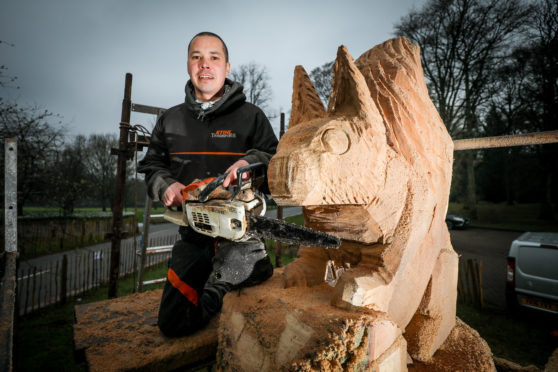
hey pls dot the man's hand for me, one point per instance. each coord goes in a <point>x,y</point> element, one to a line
<point>231,178</point>
<point>173,194</point>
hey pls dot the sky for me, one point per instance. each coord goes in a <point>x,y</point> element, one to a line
<point>71,56</point>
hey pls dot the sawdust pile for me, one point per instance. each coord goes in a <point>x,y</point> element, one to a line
<point>552,364</point>
<point>464,350</point>
<point>122,334</point>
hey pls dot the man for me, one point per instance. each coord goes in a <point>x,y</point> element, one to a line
<point>214,131</point>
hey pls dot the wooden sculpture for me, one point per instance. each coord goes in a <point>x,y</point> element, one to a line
<point>374,170</point>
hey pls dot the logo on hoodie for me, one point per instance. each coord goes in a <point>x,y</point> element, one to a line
<point>223,134</point>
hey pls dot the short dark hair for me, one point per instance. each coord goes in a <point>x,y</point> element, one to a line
<point>207,33</point>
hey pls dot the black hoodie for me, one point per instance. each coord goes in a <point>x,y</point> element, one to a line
<point>189,143</point>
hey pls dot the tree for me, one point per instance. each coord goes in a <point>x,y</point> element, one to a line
<point>255,80</point>
<point>101,167</point>
<point>37,144</point>
<point>37,141</point>
<point>461,42</point>
<point>540,58</point>
<point>6,81</point>
<point>321,77</point>
<point>68,177</point>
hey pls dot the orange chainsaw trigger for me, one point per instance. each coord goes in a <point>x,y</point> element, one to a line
<point>195,185</point>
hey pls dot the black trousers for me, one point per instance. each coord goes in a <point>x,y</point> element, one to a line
<point>188,301</point>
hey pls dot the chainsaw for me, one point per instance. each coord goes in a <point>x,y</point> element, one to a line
<point>237,213</point>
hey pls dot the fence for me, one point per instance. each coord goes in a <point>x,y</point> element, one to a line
<point>469,282</point>
<point>76,272</point>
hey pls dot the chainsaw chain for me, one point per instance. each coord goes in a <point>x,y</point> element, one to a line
<point>290,233</point>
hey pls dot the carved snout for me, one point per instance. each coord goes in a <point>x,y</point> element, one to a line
<point>291,178</point>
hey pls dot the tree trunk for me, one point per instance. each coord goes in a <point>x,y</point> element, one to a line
<point>546,212</point>
<point>471,199</point>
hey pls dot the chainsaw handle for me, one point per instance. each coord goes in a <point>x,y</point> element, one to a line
<point>247,168</point>
<point>204,194</point>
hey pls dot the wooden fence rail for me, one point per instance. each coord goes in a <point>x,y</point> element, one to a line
<point>76,272</point>
<point>469,282</point>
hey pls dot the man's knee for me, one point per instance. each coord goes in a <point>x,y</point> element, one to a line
<point>177,322</point>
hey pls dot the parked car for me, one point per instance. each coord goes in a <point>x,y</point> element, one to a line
<point>455,221</point>
<point>532,272</point>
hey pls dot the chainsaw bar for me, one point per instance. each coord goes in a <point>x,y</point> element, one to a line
<point>290,233</point>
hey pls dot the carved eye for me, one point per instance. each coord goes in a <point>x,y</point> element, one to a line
<point>335,141</point>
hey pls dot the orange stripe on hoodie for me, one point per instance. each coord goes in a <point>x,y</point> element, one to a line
<point>189,292</point>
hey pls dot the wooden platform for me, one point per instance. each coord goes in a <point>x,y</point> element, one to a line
<point>122,335</point>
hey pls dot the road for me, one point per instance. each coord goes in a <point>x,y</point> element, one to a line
<point>491,247</point>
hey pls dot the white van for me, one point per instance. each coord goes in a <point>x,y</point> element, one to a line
<point>532,273</point>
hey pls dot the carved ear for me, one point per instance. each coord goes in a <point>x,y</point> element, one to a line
<point>349,93</point>
<point>307,105</point>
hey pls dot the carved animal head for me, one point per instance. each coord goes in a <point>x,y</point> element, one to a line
<point>379,109</point>
<point>322,154</point>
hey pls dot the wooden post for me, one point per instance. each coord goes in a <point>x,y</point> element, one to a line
<point>478,278</point>
<point>118,206</point>
<point>40,280</point>
<point>144,241</point>
<point>63,279</point>
<point>56,279</point>
<point>88,273</point>
<point>34,288</point>
<point>26,290</point>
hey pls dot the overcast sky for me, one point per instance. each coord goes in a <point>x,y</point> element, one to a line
<point>71,56</point>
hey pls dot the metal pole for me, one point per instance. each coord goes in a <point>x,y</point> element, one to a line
<point>537,138</point>
<point>118,206</point>
<point>9,269</point>
<point>10,194</point>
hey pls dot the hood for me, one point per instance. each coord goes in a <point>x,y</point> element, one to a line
<point>233,97</point>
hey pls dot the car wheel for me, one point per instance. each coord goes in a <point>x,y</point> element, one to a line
<point>450,225</point>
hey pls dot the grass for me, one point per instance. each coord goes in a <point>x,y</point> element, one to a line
<point>518,217</point>
<point>525,338</point>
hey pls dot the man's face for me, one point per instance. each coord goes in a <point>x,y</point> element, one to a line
<point>207,67</point>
